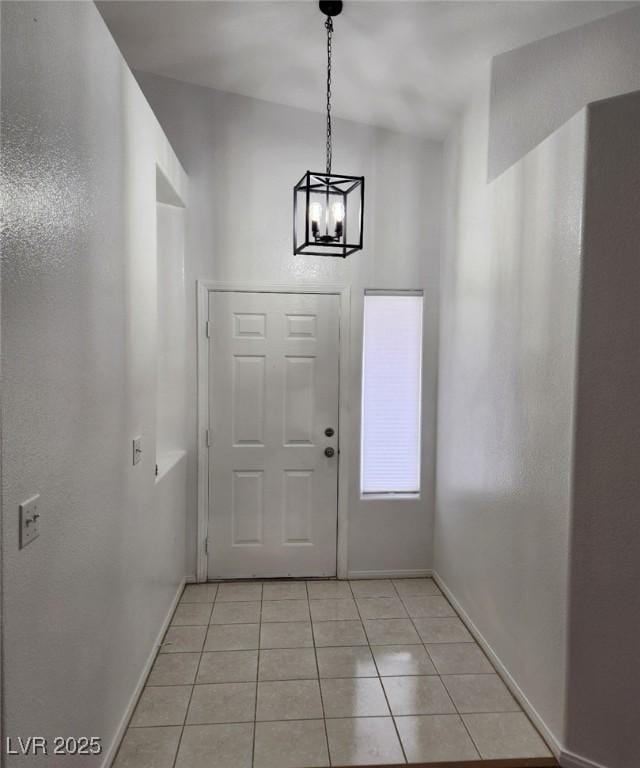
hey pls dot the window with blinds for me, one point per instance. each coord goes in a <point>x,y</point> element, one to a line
<point>391,393</point>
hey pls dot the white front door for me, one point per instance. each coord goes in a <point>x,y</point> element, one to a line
<point>273,391</point>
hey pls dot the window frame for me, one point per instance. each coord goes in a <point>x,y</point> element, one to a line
<point>391,495</point>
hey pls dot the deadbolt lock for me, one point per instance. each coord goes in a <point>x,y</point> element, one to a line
<point>329,432</point>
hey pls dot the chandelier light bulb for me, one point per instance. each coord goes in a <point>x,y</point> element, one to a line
<point>337,211</point>
<point>315,212</point>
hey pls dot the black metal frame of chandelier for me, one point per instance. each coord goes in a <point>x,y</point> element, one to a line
<point>326,245</point>
<point>346,248</point>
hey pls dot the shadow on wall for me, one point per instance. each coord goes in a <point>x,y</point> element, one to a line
<point>604,662</point>
<point>537,88</point>
<point>507,367</point>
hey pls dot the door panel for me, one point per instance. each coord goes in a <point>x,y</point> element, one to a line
<point>248,394</point>
<point>273,390</point>
<point>247,510</point>
<point>299,400</point>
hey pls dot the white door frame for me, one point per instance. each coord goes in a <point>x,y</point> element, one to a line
<point>204,287</point>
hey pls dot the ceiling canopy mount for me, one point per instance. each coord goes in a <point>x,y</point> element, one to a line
<point>331,7</point>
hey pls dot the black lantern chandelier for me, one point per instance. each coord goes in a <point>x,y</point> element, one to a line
<point>328,207</point>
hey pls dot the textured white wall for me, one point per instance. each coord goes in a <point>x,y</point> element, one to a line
<point>510,279</point>
<point>243,157</point>
<point>83,604</point>
<point>509,519</point>
<point>604,659</point>
<point>537,88</point>
<point>172,320</point>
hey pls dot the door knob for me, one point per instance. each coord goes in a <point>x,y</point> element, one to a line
<point>329,432</point>
<point>328,452</point>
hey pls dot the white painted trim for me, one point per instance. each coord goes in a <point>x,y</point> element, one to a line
<point>202,314</point>
<point>344,293</point>
<point>552,741</point>
<point>393,574</point>
<point>111,753</point>
<point>566,758</point>
<point>571,760</point>
<point>222,285</point>
<point>344,434</point>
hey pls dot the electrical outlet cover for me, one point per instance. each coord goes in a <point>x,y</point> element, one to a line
<point>29,521</point>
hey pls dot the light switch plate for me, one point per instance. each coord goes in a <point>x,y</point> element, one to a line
<point>29,521</point>
<point>137,450</point>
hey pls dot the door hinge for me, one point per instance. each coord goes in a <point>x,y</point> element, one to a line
<point>207,329</point>
<point>208,438</point>
<point>206,545</point>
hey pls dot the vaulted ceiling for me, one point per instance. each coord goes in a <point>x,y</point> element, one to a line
<point>408,66</point>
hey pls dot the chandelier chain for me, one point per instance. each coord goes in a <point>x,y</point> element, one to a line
<point>329,27</point>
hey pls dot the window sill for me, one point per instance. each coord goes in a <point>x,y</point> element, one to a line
<point>389,497</point>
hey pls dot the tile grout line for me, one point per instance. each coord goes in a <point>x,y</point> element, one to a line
<point>294,719</point>
<point>333,677</point>
<point>340,717</point>
<point>146,685</point>
<point>459,714</point>
<point>328,621</point>
<point>315,653</point>
<point>424,645</point>
<point>291,720</point>
<point>379,678</point>
<point>473,741</point>
<point>464,725</point>
<point>193,687</point>
<point>255,703</point>
<point>310,622</point>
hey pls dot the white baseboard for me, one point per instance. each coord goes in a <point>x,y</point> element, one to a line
<point>549,737</point>
<point>122,727</point>
<point>571,760</point>
<point>395,574</point>
<point>191,579</point>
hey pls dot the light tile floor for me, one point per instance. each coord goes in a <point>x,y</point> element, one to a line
<point>291,673</point>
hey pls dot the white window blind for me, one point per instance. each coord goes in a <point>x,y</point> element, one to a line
<point>391,392</point>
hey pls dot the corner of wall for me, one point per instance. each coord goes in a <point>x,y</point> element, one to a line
<point>605,537</point>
